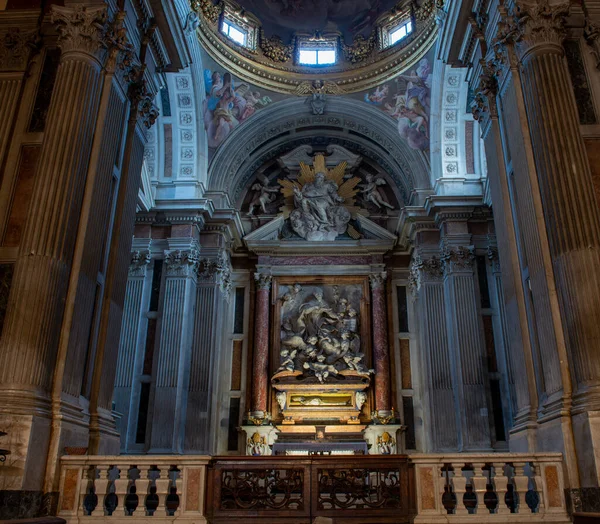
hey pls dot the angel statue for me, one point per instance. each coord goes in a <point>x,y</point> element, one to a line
<point>264,194</point>
<point>371,192</point>
<point>317,90</point>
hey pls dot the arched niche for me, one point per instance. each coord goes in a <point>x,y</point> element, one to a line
<point>282,126</point>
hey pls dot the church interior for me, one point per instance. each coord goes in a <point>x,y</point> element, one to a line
<point>300,261</point>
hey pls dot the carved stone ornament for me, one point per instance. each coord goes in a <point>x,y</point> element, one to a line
<point>139,263</point>
<point>263,281</point>
<point>274,48</point>
<point>487,90</point>
<point>494,259</point>
<point>458,259</point>
<point>115,39</point>
<point>424,270</point>
<point>209,10</point>
<point>217,270</point>
<point>182,263</point>
<point>80,28</point>
<point>140,95</point>
<point>319,203</point>
<point>16,47</point>
<point>377,280</point>
<point>360,49</point>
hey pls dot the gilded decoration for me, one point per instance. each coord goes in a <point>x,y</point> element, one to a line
<point>361,64</point>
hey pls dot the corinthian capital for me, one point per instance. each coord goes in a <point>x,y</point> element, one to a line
<point>377,280</point>
<point>458,259</point>
<point>80,28</point>
<point>182,263</point>
<point>15,48</point>
<point>537,24</point>
<point>262,281</point>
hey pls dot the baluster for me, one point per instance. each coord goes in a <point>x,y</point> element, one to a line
<point>460,488</point>
<point>88,478</point>
<point>162,490</point>
<point>121,485</point>
<point>101,489</point>
<point>536,470</point>
<point>142,486</point>
<point>501,485</point>
<point>173,488</point>
<point>521,486</point>
<point>443,482</point>
<point>479,482</point>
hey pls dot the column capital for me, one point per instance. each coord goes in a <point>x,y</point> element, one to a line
<point>80,28</point>
<point>424,270</point>
<point>16,47</point>
<point>493,257</point>
<point>458,259</point>
<point>485,94</point>
<point>218,271</point>
<point>532,25</point>
<point>139,263</point>
<point>377,280</point>
<point>263,281</point>
<point>182,263</point>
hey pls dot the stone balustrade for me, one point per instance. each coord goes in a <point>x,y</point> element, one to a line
<point>491,487</point>
<point>429,488</point>
<point>153,488</point>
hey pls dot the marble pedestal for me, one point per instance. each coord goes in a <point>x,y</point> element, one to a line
<point>260,439</point>
<point>382,439</point>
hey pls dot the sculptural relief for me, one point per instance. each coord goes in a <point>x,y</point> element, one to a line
<point>263,195</point>
<point>320,332</point>
<point>320,203</point>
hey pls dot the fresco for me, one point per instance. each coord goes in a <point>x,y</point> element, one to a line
<point>349,17</point>
<point>228,103</point>
<point>407,99</point>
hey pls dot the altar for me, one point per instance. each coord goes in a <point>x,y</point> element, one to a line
<point>321,379</point>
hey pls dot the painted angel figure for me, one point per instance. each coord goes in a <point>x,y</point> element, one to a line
<point>264,194</point>
<point>371,192</point>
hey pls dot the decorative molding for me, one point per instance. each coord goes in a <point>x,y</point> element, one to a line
<point>217,270</point>
<point>16,47</point>
<point>80,28</point>
<point>139,263</point>
<point>494,259</point>
<point>182,263</point>
<point>424,270</point>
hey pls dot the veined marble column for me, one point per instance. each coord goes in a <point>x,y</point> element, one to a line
<point>428,290</point>
<point>381,352</point>
<point>260,364</point>
<point>172,367</point>
<point>32,327</point>
<point>467,349</point>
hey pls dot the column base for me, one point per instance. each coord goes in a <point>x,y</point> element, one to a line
<point>382,439</point>
<point>260,440</point>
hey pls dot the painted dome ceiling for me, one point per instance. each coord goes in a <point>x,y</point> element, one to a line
<point>348,17</point>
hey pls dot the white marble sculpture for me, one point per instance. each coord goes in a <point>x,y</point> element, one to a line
<point>264,195</point>
<point>371,193</point>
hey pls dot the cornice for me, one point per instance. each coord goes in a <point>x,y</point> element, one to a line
<point>286,78</point>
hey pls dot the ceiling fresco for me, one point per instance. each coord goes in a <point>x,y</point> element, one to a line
<point>349,17</point>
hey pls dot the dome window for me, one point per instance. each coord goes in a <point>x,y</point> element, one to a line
<point>316,51</point>
<point>400,32</point>
<point>235,33</point>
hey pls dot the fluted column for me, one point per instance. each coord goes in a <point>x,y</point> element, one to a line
<point>381,352</point>
<point>36,303</point>
<point>467,349</point>
<point>570,208</point>
<point>428,290</point>
<point>172,367</point>
<point>260,364</point>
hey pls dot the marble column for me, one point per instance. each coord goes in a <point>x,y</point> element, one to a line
<point>571,215</point>
<point>428,291</point>
<point>171,373</point>
<point>467,347</point>
<point>32,327</point>
<point>260,364</point>
<point>381,352</point>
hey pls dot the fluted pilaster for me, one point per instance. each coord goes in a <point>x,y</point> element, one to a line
<point>467,348</point>
<point>428,290</point>
<point>172,370</point>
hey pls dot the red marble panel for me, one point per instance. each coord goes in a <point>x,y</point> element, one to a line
<point>192,494</point>
<point>553,486</point>
<point>69,491</point>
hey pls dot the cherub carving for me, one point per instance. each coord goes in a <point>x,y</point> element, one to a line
<point>264,196</point>
<point>371,192</point>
